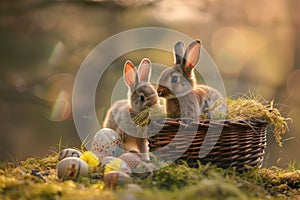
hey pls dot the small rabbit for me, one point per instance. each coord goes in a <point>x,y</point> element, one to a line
<point>141,96</point>
<point>177,84</point>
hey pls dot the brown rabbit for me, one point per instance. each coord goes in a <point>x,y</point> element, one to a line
<point>141,95</point>
<point>177,84</point>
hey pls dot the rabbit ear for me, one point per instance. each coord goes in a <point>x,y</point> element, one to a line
<point>144,70</point>
<point>178,52</point>
<point>191,56</point>
<point>130,74</point>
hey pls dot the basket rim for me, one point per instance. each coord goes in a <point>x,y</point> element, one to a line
<point>205,123</point>
<point>190,120</point>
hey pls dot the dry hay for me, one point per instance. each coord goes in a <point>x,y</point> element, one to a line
<point>238,109</point>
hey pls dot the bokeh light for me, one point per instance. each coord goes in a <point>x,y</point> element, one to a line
<point>53,86</point>
<point>293,85</point>
<point>62,108</point>
<point>230,45</point>
<point>57,54</point>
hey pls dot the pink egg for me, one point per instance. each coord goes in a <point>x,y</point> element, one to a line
<point>132,159</point>
<point>106,142</point>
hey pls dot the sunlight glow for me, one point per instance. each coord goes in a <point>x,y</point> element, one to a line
<point>62,108</point>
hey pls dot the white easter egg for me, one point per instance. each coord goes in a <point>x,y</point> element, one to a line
<point>71,168</point>
<point>69,152</point>
<point>106,142</point>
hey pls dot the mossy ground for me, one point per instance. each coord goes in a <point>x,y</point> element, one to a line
<point>35,178</point>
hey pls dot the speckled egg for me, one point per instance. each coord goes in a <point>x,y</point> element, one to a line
<point>116,178</point>
<point>111,163</point>
<point>69,152</point>
<point>106,142</point>
<point>71,168</point>
<point>132,159</point>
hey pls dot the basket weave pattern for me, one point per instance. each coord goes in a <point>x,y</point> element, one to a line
<point>239,144</point>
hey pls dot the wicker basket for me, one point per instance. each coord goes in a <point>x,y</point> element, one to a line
<point>229,143</point>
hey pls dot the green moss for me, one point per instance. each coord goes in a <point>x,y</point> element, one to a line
<point>173,177</point>
<point>213,189</point>
<point>176,181</point>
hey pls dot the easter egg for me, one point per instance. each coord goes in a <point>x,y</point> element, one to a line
<point>106,142</point>
<point>69,152</point>
<point>111,163</point>
<point>71,168</point>
<point>132,159</point>
<point>116,178</point>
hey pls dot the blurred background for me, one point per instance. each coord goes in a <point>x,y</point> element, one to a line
<point>254,43</point>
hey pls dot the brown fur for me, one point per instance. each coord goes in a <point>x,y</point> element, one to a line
<point>120,115</point>
<point>184,98</point>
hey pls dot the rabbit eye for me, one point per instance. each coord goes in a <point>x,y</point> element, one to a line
<point>142,98</point>
<point>174,79</point>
